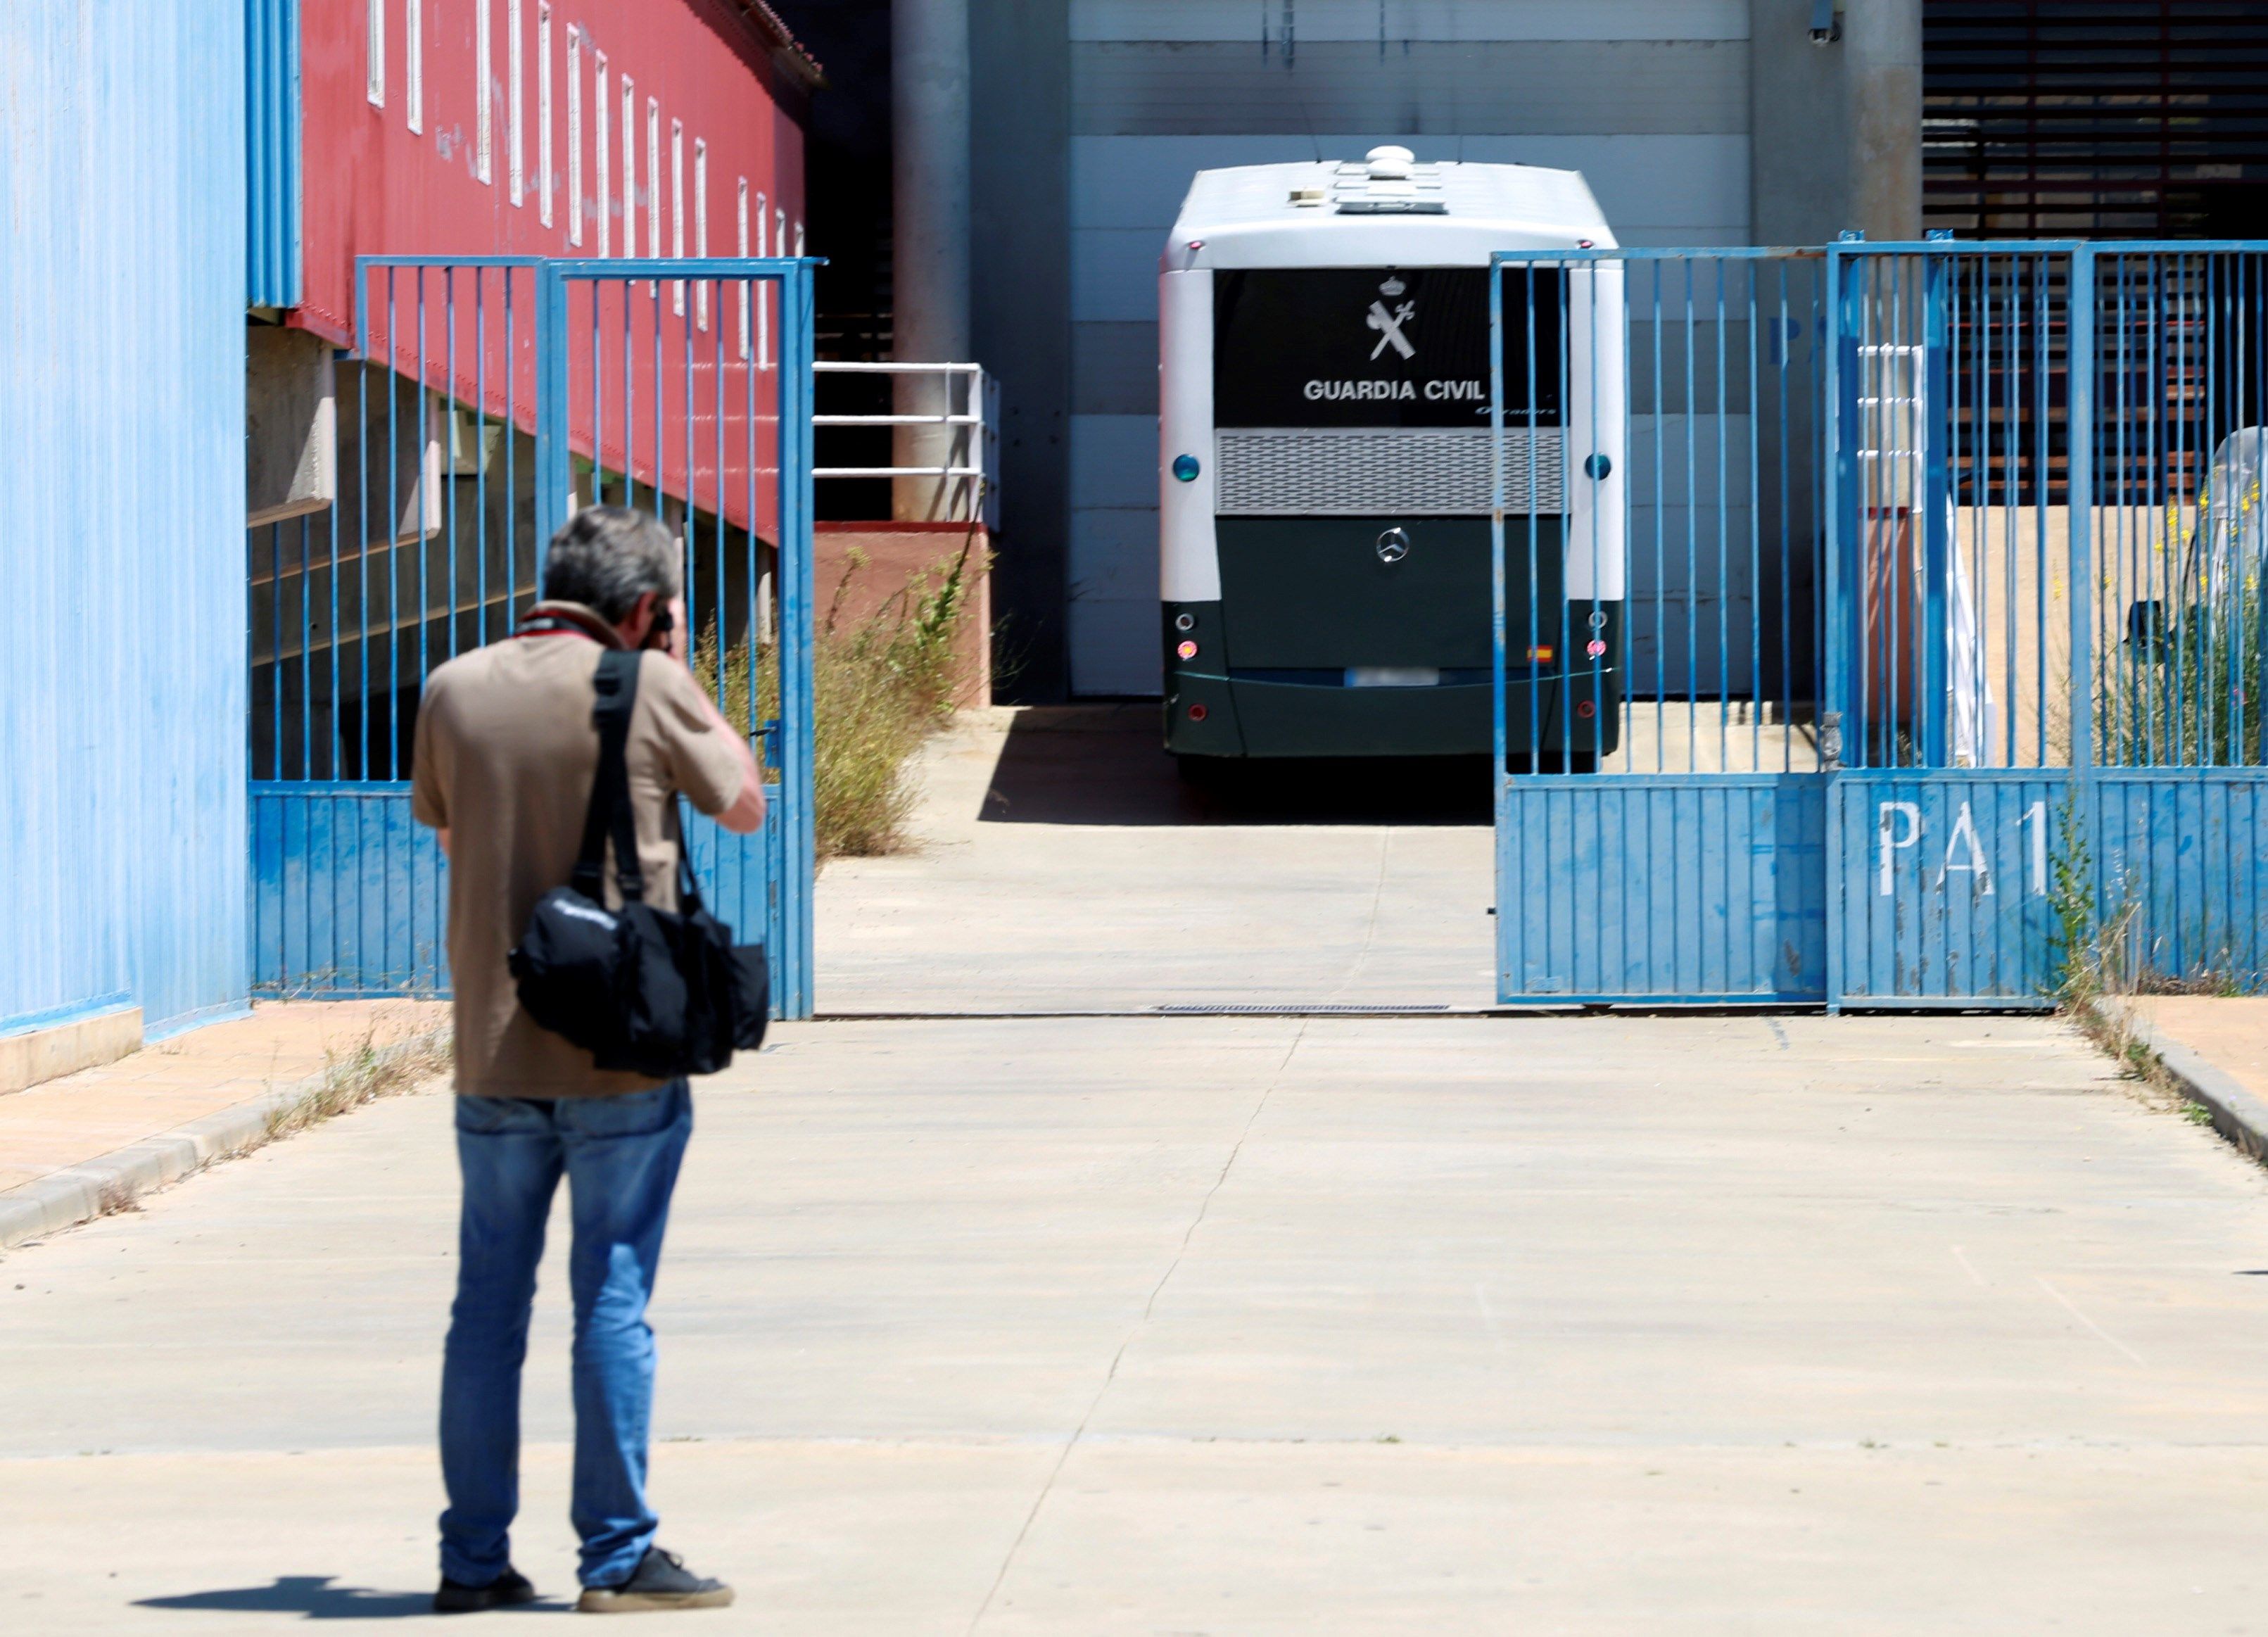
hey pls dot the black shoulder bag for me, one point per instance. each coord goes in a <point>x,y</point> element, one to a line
<point>640,989</point>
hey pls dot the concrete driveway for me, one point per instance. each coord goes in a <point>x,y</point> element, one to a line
<point>1063,866</point>
<point>1238,1325</point>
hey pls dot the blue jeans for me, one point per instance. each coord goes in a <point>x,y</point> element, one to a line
<point>620,1156</point>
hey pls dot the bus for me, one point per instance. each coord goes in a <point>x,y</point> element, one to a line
<point>1326,473</point>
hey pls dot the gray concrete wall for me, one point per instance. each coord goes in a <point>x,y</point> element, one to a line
<point>390,455</point>
<point>1092,115</point>
<point>929,226</point>
<point>291,430</point>
<point>1650,99</point>
<point>1838,127</point>
<point>1020,319</point>
<point>1882,39</point>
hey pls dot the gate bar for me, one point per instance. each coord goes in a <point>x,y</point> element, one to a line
<point>2080,372</point>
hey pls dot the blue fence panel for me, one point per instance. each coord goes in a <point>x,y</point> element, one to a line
<point>1972,535</point>
<point>1660,827</point>
<point>2181,869</point>
<point>2048,552</point>
<point>1944,886</point>
<point>1678,889</point>
<point>349,893</point>
<point>489,395</point>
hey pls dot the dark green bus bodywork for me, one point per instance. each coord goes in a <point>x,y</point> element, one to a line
<point>1308,603</point>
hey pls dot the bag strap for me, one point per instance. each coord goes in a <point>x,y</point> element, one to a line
<point>609,813</point>
<point>689,885</point>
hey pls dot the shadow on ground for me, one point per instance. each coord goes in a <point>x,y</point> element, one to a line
<point>316,1598</point>
<point>1104,764</point>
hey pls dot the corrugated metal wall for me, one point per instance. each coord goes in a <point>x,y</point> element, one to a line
<point>1649,99</point>
<point>271,151</point>
<point>122,692</point>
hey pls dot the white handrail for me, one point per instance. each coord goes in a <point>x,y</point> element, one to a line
<point>980,413</point>
<point>829,367</point>
<point>897,471</point>
<point>897,420</point>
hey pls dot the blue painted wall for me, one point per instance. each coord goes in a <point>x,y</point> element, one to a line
<point>122,690</point>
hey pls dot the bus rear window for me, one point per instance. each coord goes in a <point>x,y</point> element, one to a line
<point>1373,346</point>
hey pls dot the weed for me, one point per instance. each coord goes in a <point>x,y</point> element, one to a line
<point>368,1071</point>
<point>2077,937</point>
<point>879,688</point>
<point>362,1075</point>
<point>2097,953</point>
<point>112,1198</point>
<point>2176,697</point>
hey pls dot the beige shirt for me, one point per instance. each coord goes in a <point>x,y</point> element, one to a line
<point>506,756</point>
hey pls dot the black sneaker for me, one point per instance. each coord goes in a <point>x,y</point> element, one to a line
<point>662,1581</point>
<point>507,1590</point>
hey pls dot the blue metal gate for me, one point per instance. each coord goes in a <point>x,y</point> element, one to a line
<point>1938,571</point>
<point>486,398</point>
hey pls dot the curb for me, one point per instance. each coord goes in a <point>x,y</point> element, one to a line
<point>79,1193</point>
<point>2239,1115</point>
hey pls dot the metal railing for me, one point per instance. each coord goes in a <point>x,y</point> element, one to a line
<point>973,462</point>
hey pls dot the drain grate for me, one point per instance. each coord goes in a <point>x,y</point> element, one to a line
<point>1293,1011</point>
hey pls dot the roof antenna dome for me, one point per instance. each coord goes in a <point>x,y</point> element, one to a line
<point>1389,163</point>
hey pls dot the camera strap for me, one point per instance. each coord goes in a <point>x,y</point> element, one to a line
<point>551,620</point>
<point>609,814</point>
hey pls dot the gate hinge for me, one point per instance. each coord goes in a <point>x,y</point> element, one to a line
<point>1831,739</point>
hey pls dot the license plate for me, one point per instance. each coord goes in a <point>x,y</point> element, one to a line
<point>1394,676</point>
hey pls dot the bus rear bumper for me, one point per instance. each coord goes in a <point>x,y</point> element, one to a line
<point>1226,716</point>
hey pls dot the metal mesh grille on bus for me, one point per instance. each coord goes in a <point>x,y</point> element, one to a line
<point>1441,471</point>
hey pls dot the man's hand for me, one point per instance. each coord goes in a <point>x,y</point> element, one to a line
<point>747,813</point>
<point>636,629</point>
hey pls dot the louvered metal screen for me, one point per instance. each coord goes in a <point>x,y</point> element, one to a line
<point>1441,472</point>
<point>2102,119</point>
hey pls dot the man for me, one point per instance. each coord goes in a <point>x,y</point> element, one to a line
<point>506,752</point>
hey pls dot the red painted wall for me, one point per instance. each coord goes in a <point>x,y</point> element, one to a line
<point>373,185</point>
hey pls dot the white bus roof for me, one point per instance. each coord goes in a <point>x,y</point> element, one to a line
<point>1385,210</point>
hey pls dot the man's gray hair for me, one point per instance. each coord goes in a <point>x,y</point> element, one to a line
<point>607,557</point>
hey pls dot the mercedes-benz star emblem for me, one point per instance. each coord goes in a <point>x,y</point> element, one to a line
<point>1393,545</point>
